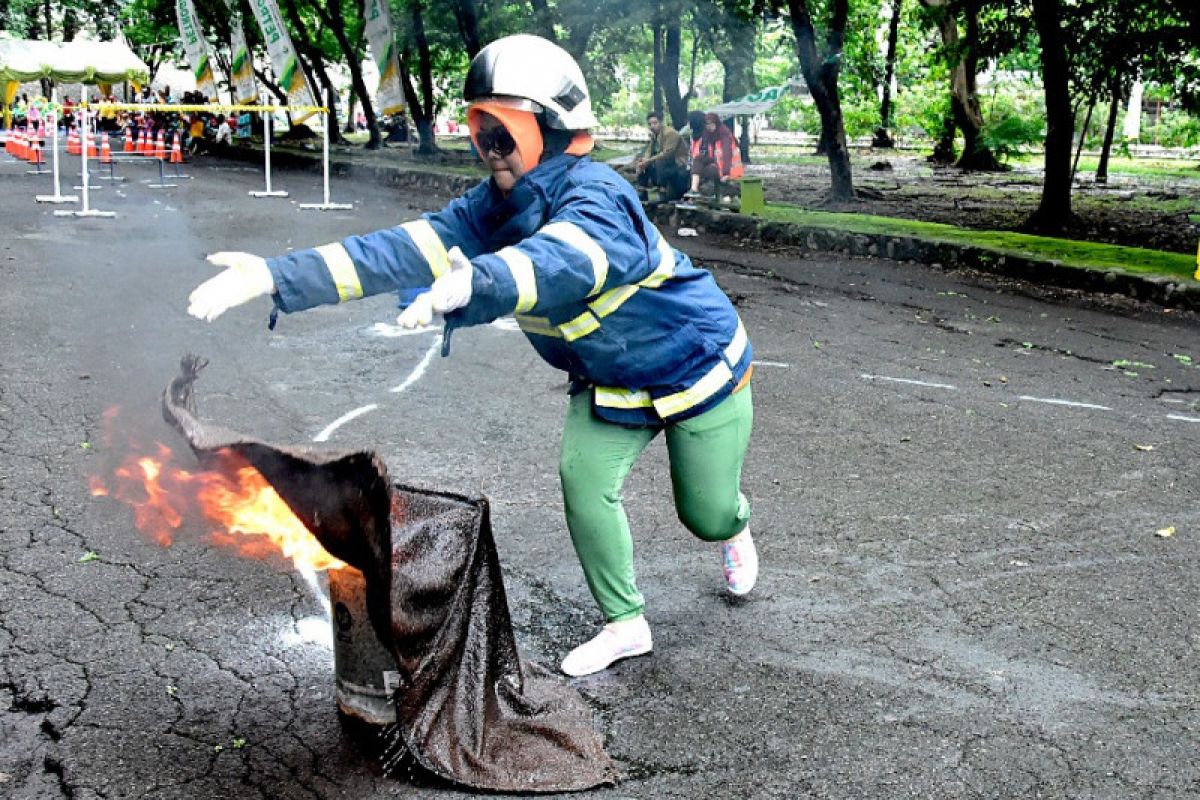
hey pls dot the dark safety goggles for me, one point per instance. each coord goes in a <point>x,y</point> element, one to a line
<point>497,139</point>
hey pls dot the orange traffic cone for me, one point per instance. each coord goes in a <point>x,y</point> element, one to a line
<point>36,155</point>
<point>93,151</point>
<point>73,142</point>
<point>176,150</point>
<point>143,147</point>
<point>160,146</point>
<point>128,147</point>
<point>105,150</point>
<point>19,145</point>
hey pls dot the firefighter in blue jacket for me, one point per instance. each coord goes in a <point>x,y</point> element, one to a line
<point>650,342</point>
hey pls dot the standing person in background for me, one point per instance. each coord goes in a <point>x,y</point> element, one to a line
<point>224,132</point>
<point>650,343</point>
<point>715,156</point>
<point>664,162</point>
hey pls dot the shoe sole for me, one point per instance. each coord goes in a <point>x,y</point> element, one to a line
<point>632,654</point>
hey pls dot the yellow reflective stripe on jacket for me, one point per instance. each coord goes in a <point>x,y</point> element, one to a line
<point>521,268</point>
<point>430,245</point>
<point>579,327</point>
<point>665,268</point>
<point>737,348</point>
<point>695,394</point>
<point>611,300</point>
<point>341,269</point>
<point>571,234</point>
<point>538,325</point>
<point>611,397</point>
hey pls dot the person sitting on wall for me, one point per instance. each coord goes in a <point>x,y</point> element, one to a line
<point>715,156</point>
<point>664,162</point>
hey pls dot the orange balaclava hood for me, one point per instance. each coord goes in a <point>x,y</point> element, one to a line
<point>523,125</point>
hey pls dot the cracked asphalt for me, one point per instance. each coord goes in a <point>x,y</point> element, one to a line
<point>958,486</point>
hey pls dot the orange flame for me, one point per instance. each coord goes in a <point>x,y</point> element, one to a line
<point>250,515</point>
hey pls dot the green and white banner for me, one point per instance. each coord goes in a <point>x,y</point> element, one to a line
<point>382,39</point>
<point>755,103</point>
<point>196,48</point>
<point>283,56</point>
<point>241,65</point>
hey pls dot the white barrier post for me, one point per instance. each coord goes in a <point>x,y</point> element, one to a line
<point>326,206</point>
<point>267,158</point>
<point>85,141</point>
<point>52,118</point>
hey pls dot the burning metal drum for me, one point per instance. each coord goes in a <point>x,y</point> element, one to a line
<point>365,671</point>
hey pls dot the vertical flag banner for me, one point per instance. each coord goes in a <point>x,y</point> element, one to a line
<point>195,47</point>
<point>283,55</point>
<point>382,39</point>
<point>241,65</point>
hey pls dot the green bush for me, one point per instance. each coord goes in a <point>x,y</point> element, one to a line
<point>1174,129</point>
<point>1006,136</point>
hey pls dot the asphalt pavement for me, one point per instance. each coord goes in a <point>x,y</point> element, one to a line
<point>976,503</point>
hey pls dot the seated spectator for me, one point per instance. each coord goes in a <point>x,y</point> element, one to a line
<point>664,162</point>
<point>224,132</point>
<point>715,156</point>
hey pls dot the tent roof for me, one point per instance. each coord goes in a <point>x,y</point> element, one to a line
<point>26,60</point>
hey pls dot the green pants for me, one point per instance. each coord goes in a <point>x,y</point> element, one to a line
<point>706,455</point>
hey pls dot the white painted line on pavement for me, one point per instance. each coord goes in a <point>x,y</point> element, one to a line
<point>770,364</point>
<point>908,381</point>
<point>395,331</point>
<point>1182,418</point>
<point>324,435</point>
<point>419,370</point>
<point>1055,402</point>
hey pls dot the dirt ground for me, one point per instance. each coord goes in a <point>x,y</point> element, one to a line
<point>1141,210</point>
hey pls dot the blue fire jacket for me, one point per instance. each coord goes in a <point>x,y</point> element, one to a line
<point>592,283</point>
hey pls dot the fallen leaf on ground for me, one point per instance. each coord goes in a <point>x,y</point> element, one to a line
<point>1166,533</point>
<point>1145,448</point>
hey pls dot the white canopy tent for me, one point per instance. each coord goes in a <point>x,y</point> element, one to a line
<point>24,60</point>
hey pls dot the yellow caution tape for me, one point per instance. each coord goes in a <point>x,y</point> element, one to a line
<point>205,107</point>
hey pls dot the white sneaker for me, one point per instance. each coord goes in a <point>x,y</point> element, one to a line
<point>740,561</point>
<point>617,640</point>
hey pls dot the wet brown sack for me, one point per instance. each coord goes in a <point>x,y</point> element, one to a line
<point>468,708</point>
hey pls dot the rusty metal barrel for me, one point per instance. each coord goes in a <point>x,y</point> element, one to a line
<point>365,671</point>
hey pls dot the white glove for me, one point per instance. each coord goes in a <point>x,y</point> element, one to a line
<point>245,278</point>
<point>451,291</point>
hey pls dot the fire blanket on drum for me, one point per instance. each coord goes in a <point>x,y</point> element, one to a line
<point>468,708</point>
<point>593,284</point>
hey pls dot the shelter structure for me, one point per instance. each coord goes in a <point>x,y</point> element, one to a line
<point>106,63</point>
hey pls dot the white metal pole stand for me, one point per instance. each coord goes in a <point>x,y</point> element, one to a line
<point>52,119</point>
<point>162,179</point>
<point>85,140</point>
<point>266,115</point>
<point>326,206</point>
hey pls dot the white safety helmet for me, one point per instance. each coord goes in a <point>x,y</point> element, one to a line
<point>532,69</point>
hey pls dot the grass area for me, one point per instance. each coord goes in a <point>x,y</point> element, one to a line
<point>1119,165</point>
<point>1083,255</point>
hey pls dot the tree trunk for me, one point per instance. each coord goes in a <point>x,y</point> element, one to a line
<point>467,17</point>
<point>337,25</point>
<point>543,19</point>
<point>821,74</point>
<point>312,62</point>
<point>883,135</point>
<point>943,151</point>
<point>423,108</point>
<point>1087,121</point>
<point>350,127</point>
<point>657,71</point>
<point>1114,111</point>
<point>1054,210</point>
<point>677,104</point>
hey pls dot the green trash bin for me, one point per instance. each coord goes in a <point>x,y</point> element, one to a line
<point>752,196</point>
